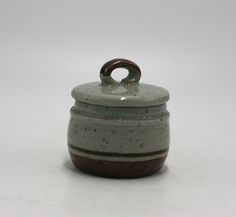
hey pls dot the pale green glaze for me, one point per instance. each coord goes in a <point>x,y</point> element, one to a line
<point>119,130</point>
<point>122,130</point>
<point>120,95</point>
<point>119,121</point>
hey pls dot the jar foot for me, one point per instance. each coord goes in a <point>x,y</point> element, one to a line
<point>117,169</point>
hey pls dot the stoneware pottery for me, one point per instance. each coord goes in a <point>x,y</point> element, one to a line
<point>119,129</point>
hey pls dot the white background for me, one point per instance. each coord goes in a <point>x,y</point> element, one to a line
<point>47,47</point>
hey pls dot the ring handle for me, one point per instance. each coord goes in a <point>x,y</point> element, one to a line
<point>132,78</point>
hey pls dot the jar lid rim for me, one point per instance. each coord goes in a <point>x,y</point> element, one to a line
<point>120,95</point>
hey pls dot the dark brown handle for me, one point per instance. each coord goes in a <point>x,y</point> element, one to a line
<point>133,76</point>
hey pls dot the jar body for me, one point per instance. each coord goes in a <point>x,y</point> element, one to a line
<point>119,142</point>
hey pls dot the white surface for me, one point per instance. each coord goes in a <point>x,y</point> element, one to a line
<point>48,47</point>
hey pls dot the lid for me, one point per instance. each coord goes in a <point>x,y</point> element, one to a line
<point>126,93</point>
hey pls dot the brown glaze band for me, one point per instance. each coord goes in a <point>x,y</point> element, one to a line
<point>112,154</point>
<point>117,169</point>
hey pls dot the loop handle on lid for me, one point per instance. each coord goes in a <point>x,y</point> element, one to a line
<point>132,78</point>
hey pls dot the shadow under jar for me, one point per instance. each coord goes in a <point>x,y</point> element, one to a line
<point>119,129</point>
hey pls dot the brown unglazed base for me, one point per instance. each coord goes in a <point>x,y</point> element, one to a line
<point>117,169</point>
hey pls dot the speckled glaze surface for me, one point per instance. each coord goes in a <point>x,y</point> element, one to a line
<point>118,95</point>
<point>119,129</point>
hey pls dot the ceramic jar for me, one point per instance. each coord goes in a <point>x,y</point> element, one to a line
<point>119,129</point>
